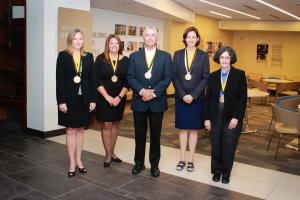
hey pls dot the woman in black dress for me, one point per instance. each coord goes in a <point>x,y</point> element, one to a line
<point>111,81</point>
<point>75,92</point>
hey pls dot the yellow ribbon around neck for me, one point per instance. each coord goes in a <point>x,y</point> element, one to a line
<point>190,58</point>
<point>77,60</point>
<point>149,62</point>
<point>225,82</point>
<point>114,65</point>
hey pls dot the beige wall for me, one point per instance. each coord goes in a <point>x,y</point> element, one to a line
<point>244,42</point>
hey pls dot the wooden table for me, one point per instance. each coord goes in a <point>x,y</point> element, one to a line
<point>276,81</point>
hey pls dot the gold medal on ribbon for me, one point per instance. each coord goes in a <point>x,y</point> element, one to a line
<point>148,75</point>
<point>114,78</point>
<point>77,79</point>
<point>188,76</point>
<point>222,99</point>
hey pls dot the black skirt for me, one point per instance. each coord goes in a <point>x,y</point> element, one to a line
<point>107,113</point>
<point>76,117</point>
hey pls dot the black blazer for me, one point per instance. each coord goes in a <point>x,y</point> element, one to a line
<point>66,89</point>
<point>159,82</point>
<point>235,95</point>
<point>199,72</point>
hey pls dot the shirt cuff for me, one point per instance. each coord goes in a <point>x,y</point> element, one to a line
<point>140,93</point>
<point>153,94</point>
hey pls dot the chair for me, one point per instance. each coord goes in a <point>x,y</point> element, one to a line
<point>288,102</point>
<point>290,89</point>
<point>257,84</point>
<point>286,122</point>
<point>255,76</point>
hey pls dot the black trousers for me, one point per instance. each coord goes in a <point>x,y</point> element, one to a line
<point>223,144</point>
<point>141,126</point>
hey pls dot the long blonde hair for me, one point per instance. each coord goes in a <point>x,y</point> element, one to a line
<point>70,39</point>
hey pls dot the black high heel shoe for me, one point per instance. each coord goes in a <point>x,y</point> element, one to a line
<point>106,164</point>
<point>116,160</point>
<point>71,174</point>
<point>82,170</point>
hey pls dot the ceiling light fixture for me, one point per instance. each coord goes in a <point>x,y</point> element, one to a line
<point>220,14</point>
<point>278,9</point>
<point>230,9</point>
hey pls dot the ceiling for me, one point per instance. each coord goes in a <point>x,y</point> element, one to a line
<point>248,6</point>
<point>132,7</point>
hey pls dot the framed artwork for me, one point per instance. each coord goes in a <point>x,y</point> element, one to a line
<point>120,29</point>
<point>132,30</point>
<point>142,30</point>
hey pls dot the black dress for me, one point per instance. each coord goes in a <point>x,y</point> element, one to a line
<point>68,92</point>
<point>104,72</point>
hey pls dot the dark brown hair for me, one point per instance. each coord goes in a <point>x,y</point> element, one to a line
<point>190,29</point>
<point>105,55</point>
<point>227,49</point>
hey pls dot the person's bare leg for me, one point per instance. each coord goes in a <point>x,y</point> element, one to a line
<point>193,138</point>
<point>183,139</point>
<point>79,146</point>
<point>114,137</point>
<point>106,129</point>
<point>71,146</point>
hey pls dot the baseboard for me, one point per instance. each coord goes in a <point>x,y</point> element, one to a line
<point>45,134</point>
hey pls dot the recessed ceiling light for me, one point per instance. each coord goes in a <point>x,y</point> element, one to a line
<point>220,14</point>
<point>230,9</point>
<point>278,9</point>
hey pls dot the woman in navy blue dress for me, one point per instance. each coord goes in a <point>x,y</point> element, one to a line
<point>191,71</point>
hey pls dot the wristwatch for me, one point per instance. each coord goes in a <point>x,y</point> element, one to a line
<point>120,96</point>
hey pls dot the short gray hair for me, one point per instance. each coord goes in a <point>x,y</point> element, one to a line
<point>150,28</point>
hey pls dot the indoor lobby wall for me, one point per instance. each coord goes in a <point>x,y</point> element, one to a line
<point>245,44</point>
<point>104,22</point>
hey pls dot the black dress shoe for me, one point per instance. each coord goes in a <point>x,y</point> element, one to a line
<point>137,169</point>
<point>116,160</point>
<point>155,172</point>
<point>106,164</point>
<point>225,180</point>
<point>71,174</point>
<point>216,177</point>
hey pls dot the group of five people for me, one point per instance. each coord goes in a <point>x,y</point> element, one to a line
<point>216,101</point>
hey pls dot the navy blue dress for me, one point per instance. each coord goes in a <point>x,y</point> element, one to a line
<point>190,116</point>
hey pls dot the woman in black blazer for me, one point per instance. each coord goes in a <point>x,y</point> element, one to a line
<point>75,92</point>
<point>224,112</point>
<point>190,73</point>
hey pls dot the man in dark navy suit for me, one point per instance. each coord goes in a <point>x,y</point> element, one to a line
<point>149,75</point>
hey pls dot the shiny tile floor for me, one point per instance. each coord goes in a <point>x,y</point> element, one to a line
<point>246,179</point>
<point>33,168</point>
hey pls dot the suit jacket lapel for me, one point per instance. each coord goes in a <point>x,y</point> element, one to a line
<point>143,56</point>
<point>195,60</point>
<point>219,81</point>
<point>156,62</point>
<point>230,79</point>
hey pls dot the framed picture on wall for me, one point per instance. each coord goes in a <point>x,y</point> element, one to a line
<point>142,30</point>
<point>120,29</point>
<point>131,30</point>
